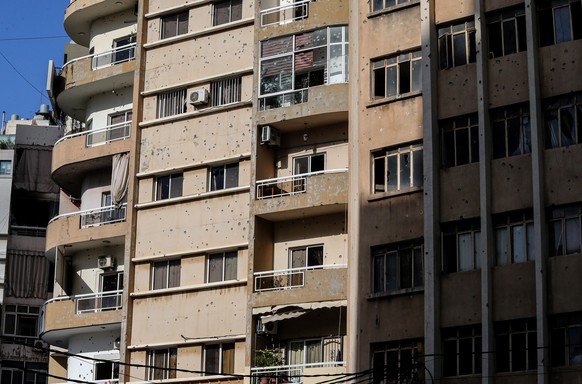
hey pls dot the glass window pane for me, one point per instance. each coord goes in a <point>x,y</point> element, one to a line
<point>556,238</point>
<point>501,246</point>
<point>530,241</point>
<point>406,268</point>
<point>509,37</point>
<point>572,235</point>
<point>231,175</point>
<point>418,180</point>
<point>465,244</point>
<point>562,24</point>
<point>460,49</point>
<point>379,284</point>
<point>176,182</point>
<point>230,265</point>
<point>315,256</point>
<point>518,352</point>
<point>392,271</point>
<point>215,268</point>
<point>405,170</point>
<point>416,75</point>
<point>418,270</point>
<point>392,174</point>
<point>212,359</point>
<point>217,178</point>
<point>477,238</point>
<point>517,243</point>
<point>391,81</point>
<point>379,175</point>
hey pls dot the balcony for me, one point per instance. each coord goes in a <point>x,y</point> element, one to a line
<point>284,14</point>
<point>89,228</point>
<point>91,75</point>
<point>299,373</point>
<point>63,317</point>
<point>303,195</point>
<point>317,284</point>
<point>82,152</point>
<point>80,14</point>
<point>19,230</point>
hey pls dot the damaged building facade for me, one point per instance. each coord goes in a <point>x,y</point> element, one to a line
<point>290,189</point>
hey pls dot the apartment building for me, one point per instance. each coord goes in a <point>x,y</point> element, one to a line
<point>29,200</point>
<point>465,200</point>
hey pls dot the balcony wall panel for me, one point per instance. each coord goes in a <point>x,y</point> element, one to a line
<point>67,230</point>
<point>62,316</point>
<point>508,82</point>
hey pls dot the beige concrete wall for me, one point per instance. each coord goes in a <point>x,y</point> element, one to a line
<point>461,298</point>
<point>459,192</point>
<point>511,182</point>
<point>560,68</point>
<point>457,94</point>
<point>79,73</point>
<point>564,283</point>
<point>62,315</point>
<point>508,83</point>
<point>562,173</point>
<point>514,291</point>
<point>67,230</point>
<point>451,10</point>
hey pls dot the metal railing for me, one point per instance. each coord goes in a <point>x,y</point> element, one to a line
<point>98,216</point>
<point>286,13</point>
<point>19,230</point>
<point>115,56</point>
<point>282,279</point>
<point>286,373</point>
<point>288,185</point>
<point>108,134</point>
<point>284,99</point>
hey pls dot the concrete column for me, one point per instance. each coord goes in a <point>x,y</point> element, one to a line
<point>431,149</point>
<point>537,157</point>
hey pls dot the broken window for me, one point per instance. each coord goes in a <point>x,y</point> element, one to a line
<point>514,238</point>
<point>223,177</point>
<point>106,371</point>
<point>304,257</point>
<point>516,345</point>
<point>396,359</point>
<point>559,21</point>
<point>169,186</point>
<point>174,25</point>
<point>227,11</point>
<point>511,131</point>
<point>171,103</point>
<point>166,274</point>
<point>456,45</point>
<point>222,266</point>
<point>564,227</point>
<point>21,321</point>
<point>461,242</point>
<point>397,169</point>
<point>563,121</point>
<point>566,340</point>
<point>396,76</point>
<point>397,266</point>
<point>506,32</point>
<point>462,350</point>
<point>460,140</point>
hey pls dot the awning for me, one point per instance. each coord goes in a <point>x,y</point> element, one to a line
<point>291,311</point>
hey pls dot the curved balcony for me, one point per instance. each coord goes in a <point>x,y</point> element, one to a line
<point>79,153</point>
<point>300,285</point>
<point>80,14</point>
<point>94,74</point>
<point>303,195</point>
<point>87,229</point>
<point>63,317</point>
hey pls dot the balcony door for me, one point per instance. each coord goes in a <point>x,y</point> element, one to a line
<point>306,164</point>
<point>124,54</point>
<point>110,282</point>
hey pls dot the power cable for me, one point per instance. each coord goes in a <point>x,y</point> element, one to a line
<point>21,75</point>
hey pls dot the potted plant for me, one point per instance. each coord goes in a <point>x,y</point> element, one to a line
<point>268,358</point>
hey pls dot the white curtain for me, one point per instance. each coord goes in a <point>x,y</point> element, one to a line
<point>27,274</point>
<point>119,177</point>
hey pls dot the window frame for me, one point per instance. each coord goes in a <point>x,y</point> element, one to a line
<point>547,21</point>
<point>14,314</point>
<point>457,336</point>
<point>309,158</point>
<point>380,5</point>
<point>446,44</point>
<point>114,370</point>
<point>213,185</point>
<point>563,215</point>
<point>175,186</point>
<point>171,103</point>
<point>383,351</point>
<point>208,371</point>
<point>555,110</point>
<point>396,62</point>
<point>386,154</point>
<point>470,227</point>
<point>415,275</point>
<point>166,370</point>
<point>226,91</point>
<point>456,127</point>
<point>231,18</point>
<point>501,125</point>
<point>166,267</point>
<point>507,223</point>
<point>512,330</point>
<point>182,21</point>
<point>5,168</point>
<point>307,248</point>
<point>567,327</point>
<point>225,275</point>
<point>514,20</point>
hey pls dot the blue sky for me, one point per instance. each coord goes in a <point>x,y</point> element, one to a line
<point>22,20</point>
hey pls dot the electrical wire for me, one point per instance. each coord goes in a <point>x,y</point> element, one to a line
<point>23,77</point>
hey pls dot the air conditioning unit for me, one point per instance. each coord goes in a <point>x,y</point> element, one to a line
<point>270,136</point>
<point>105,262</point>
<point>268,328</point>
<point>116,344</point>
<point>198,96</point>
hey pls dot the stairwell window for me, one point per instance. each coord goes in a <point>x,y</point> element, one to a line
<point>166,274</point>
<point>397,266</point>
<point>162,364</point>
<point>226,11</point>
<point>456,45</point>
<point>225,91</point>
<point>222,266</point>
<point>171,103</point>
<point>169,186</point>
<point>174,25</point>
<point>397,75</point>
<point>223,177</point>
<point>559,21</point>
<point>397,169</point>
<point>219,359</point>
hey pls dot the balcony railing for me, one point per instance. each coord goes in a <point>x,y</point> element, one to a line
<point>95,137</point>
<point>93,302</point>
<point>287,373</point>
<point>284,99</point>
<point>286,13</point>
<point>286,278</point>
<point>288,185</point>
<point>115,56</point>
<point>19,230</point>
<point>99,216</point>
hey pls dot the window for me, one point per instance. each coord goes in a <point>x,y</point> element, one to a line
<point>174,25</point>
<point>169,186</point>
<point>563,121</point>
<point>566,340</point>
<point>225,91</point>
<point>21,320</point>
<point>397,169</point>
<point>506,32</point>
<point>171,103</point>
<point>222,266</point>
<point>560,21</point>
<point>514,238</point>
<point>564,230</point>
<point>162,364</point>
<point>309,164</point>
<point>227,11</point>
<point>166,274</point>
<point>316,350</point>
<point>462,351</point>
<point>5,167</point>
<point>457,45</point>
<point>22,372</point>
<point>112,283</point>
<point>223,177</point>
<point>106,370</point>
<point>516,345</point>
<point>461,246</point>
<point>119,126</point>
<point>382,4</point>
<point>396,361</point>
<point>396,76</point>
<point>219,359</point>
<point>310,256</point>
<point>511,132</point>
<point>460,140</point>
<point>291,64</point>
<point>397,267</point>
<point>124,49</point>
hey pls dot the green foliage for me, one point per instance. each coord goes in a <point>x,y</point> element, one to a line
<point>268,358</point>
<point>6,144</point>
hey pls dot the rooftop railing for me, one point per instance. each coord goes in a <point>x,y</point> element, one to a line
<point>289,185</point>
<point>282,279</point>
